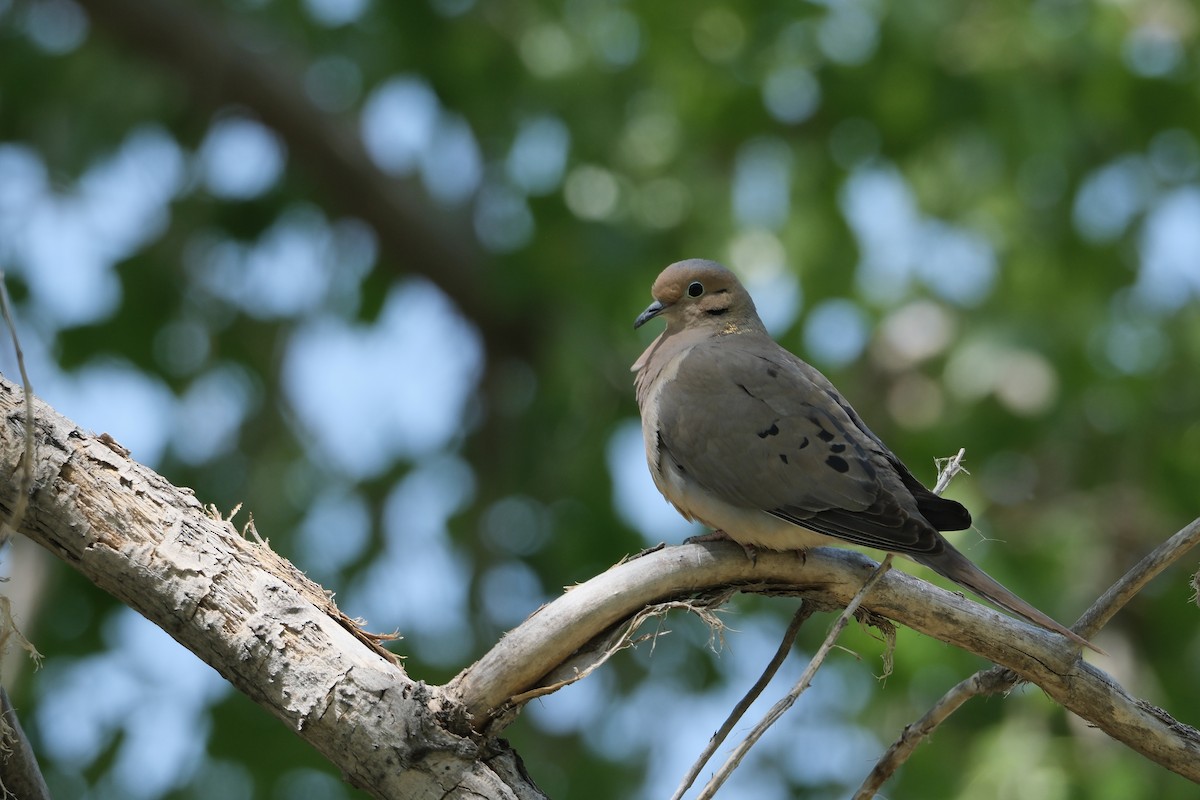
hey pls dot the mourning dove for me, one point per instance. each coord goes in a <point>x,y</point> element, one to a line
<point>753,442</point>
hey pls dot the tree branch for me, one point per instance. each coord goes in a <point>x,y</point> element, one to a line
<point>781,653</point>
<point>279,639</point>
<point>20,776</point>
<point>996,680</point>
<point>788,700</point>
<point>247,612</point>
<point>829,576</point>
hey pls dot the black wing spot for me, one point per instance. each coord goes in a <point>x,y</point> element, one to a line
<point>838,463</point>
<point>771,431</point>
<point>783,457</point>
<point>837,448</point>
<point>744,389</point>
<point>772,372</point>
<point>803,443</point>
<point>824,435</point>
<point>679,467</point>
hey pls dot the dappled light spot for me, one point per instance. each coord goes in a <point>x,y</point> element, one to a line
<point>548,51</point>
<point>398,122</point>
<point>420,581</point>
<point>334,533</point>
<point>592,193</point>
<point>849,32</point>
<point>1169,250</point>
<point>67,243</point>
<point>1110,197</point>
<point>758,256</point>
<point>451,165</point>
<point>762,182</point>
<point>335,13</point>
<point>354,387</point>
<point>1153,50</point>
<point>1131,346</point>
<point>835,332</point>
<point>56,27</point>
<point>210,413</point>
<point>298,264</point>
<point>791,94</point>
<point>911,334</point>
<point>898,244</point>
<point>614,32</point>
<point>1024,381</point>
<point>538,155</point>
<point>241,158</point>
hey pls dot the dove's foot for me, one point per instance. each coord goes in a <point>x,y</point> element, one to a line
<point>721,536</point>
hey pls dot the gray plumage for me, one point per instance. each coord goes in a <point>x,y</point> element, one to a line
<point>750,440</point>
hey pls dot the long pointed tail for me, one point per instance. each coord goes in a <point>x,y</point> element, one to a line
<point>954,565</point>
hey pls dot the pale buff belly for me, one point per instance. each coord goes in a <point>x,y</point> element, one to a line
<point>745,526</point>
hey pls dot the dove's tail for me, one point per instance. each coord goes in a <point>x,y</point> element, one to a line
<point>952,564</point>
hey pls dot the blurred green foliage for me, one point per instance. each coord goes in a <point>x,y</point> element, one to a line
<point>1016,304</point>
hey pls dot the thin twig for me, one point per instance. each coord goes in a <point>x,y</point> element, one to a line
<point>1133,581</point>
<point>947,469</point>
<point>1000,679</point>
<point>790,698</point>
<point>789,636</point>
<point>22,502</point>
<point>625,637</point>
<point>920,730</point>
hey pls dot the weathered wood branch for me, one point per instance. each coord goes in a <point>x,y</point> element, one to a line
<point>278,638</point>
<point>247,612</point>
<point>555,632</point>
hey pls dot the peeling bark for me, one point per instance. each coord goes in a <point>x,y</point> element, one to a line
<point>241,608</point>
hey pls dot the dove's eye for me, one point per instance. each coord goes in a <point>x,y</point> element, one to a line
<point>695,289</point>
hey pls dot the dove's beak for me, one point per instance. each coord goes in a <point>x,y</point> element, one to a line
<point>652,311</point>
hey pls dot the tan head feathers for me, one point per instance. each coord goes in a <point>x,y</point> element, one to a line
<point>697,292</point>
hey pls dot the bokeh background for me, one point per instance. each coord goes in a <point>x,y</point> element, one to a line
<point>369,269</point>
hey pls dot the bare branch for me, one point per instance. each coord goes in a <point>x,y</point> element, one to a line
<point>789,636</point>
<point>947,469</point>
<point>999,679</point>
<point>1136,579</point>
<point>152,546</point>
<point>983,682</point>
<point>249,613</point>
<point>18,512</point>
<point>20,776</point>
<point>806,677</point>
<point>588,661</point>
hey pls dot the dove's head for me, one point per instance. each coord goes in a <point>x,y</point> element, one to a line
<point>701,294</point>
